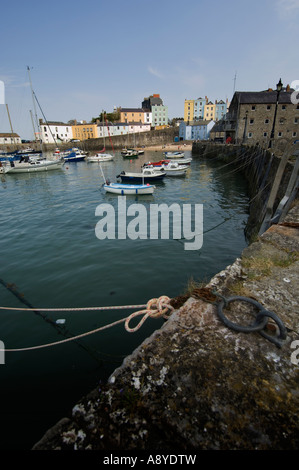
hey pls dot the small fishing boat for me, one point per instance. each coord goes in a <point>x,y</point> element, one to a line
<point>127,189</point>
<point>74,155</point>
<point>174,169</point>
<point>146,175</point>
<point>160,164</point>
<point>174,154</point>
<point>100,157</point>
<point>130,153</point>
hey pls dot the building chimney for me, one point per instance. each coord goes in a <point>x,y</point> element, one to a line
<point>288,88</point>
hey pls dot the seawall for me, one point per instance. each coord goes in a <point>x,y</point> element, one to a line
<point>199,383</point>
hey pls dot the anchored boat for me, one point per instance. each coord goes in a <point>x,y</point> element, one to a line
<point>147,175</point>
<point>29,165</point>
<point>174,154</point>
<point>127,189</point>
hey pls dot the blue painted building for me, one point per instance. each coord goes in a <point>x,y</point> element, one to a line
<point>195,130</point>
<point>198,110</point>
<point>220,110</point>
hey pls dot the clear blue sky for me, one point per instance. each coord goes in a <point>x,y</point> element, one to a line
<point>90,55</point>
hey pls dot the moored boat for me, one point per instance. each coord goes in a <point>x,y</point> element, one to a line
<point>160,164</point>
<point>28,165</point>
<point>174,154</point>
<point>127,189</point>
<point>146,175</point>
<point>74,155</point>
<point>174,169</point>
<point>130,153</point>
<point>100,157</point>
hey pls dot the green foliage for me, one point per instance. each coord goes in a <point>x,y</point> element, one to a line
<point>110,117</point>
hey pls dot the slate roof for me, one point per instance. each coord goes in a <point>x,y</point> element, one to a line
<point>262,97</point>
<point>132,110</point>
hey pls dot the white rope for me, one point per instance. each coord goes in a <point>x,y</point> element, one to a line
<point>162,309</point>
<point>73,309</point>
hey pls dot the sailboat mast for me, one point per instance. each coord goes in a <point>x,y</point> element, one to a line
<point>12,132</point>
<point>34,133</point>
<point>35,113</point>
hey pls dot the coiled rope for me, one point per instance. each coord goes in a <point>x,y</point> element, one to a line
<point>155,308</point>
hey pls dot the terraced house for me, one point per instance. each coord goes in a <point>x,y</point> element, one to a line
<point>133,115</point>
<point>204,109</point>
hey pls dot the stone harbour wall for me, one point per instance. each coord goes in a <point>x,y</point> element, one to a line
<point>197,384</point>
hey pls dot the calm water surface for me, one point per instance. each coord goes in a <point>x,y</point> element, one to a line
<point>51,257</point>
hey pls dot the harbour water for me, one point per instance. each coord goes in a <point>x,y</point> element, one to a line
<point>51,258</point>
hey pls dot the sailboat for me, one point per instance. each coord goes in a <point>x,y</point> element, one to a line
<point>101,157</point>
<point>30,163</point>
<point>127,189</point>
<point>27,164</point>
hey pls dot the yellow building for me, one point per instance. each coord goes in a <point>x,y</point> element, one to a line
<point>84,131</point>
<point>209,111</point>
<point>132,115</point>
<point>189,110</point>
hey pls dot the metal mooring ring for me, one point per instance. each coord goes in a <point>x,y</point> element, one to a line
<point>261,320</point>
<point>282,329</point>
<point>259,323</point>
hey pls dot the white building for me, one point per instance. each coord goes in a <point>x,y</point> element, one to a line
<point>7,138</point>
<point>55,132</point>
<point>122,128</point>
<point>195,130</point>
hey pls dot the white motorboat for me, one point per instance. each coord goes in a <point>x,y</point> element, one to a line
<point>100,157</point>
<point>174,169</point>
<point>146,175</point>
<point>161,163</point>
<point>130,153</point>
<point>174,154</point>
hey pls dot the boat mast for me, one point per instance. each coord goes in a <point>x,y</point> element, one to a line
<point>37,123</point>
<point>12,132</point>
<point>35,113</point>
<point>34,133</point>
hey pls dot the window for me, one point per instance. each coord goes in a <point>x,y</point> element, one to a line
<point>249,135</point>
<point>253,108</point>
<point>294,134</point>
<point>296,121</point>
<point>279,134</point>
<point>251,121</point>
<point>268,107</point>
<point>283,107</point>
<point>265,134</point>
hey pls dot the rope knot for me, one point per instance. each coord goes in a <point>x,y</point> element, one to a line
<point>155,308</point>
